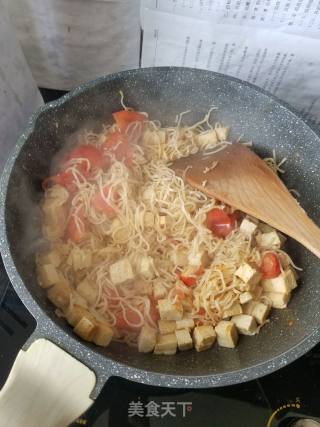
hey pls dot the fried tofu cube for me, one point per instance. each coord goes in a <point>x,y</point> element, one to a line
<point>103,334</point>
<point>143,287</point>
<point>207,138</point>
<point>270,240</point>
<point>186,323</point>
<point>121,272</point>
<point>74,313</point>
<point>248,274</point>
<point>169,310</point>
<point>203,337</point>
<point>222,132</point>
<point>184,339</point>
<point>166,326</point>
<point>85,328</point>
<point>260,312</point>
<point>248,227</point>
<point>88,290</point>
<point>79,259</point>
<point>159,290</point>
<point>163,221</point>
<point>232,311</point>
<point>166,344</point>
<point>148,219</point>
<point>145,267</point>
<point>227,334</point>
<point>60,294</point>
<point>284,283</point>
<point>147,339</point>
<point>48,275</point>
<point>52,257</point>
<point>187,303</point>
<point>245,297</point>
<point>278,300</point>
<point>245,324</point>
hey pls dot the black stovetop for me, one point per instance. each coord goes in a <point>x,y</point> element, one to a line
<point>275,400</point>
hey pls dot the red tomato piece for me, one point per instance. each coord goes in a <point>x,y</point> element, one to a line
<point>201,311</point>
<point>76,230</point>
<point>188,281</point>
<point>270,266</point>
<point>100,204</point>
<point>130,321</point>
<point>154,312</point>
<point>118,144</point>
<point>124,117</point>
<point>220,223</point>
<point>93,154</point>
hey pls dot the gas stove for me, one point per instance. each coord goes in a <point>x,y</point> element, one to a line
<point>283,398</point>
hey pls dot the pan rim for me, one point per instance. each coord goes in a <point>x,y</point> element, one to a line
<point>85,352</point>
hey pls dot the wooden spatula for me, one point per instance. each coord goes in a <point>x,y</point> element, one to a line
<point>242,180</point>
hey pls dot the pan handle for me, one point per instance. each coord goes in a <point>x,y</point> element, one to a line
<point>46,387</point>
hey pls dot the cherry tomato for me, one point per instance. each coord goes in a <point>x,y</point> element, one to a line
<point>220,223</point>
<point>270,266</point>
<point>124,117</point>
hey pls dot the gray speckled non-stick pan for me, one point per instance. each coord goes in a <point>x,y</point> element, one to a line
<point>164,92</point>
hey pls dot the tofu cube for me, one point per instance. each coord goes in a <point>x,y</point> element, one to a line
<point>245,324</point>
<point>163,221</point>
<point>103,334</point>
<point>184,339</point>
<point>166,326</point>
<point>52,257</point>
<point>143,287</point>
<point>48,275</point>
<point>121,272</point>
<point>88,290</point>
<point>159,290</point>
<point>148,219</point>
<point>186,323</point>
<point>248,227</point>
<point>203,337</point>
<point>232,311</point>
<point>187,303</point>
<point>120,232</point>
<point>85,328</point>
<point>74,313</point>
<point>60,294</point>
<point>270,240</point>
<point>227,334</point>
<point>260,312</point>
<point>284,283</point>
<point>166,344</point>
<point>222,132</point>
<point>145,267</point>
<point>248,274</point>
<point>79,259</point>
<point>169,310</point>
<point>147,339</point>
<point>179,257</point>
<point>278,300</point>
<point>207,138</point>
<point>245,297</point>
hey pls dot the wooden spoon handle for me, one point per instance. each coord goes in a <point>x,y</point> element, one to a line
<point>46,387</point>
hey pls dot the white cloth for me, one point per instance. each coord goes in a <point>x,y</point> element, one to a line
<point>68,42</point>
<point>19,96</point>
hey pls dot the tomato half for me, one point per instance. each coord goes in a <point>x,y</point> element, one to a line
<point>220,223</point>
<point>124,117</point>
<point>131,321</point>
<point>270,266</point>
<point>93,154</point>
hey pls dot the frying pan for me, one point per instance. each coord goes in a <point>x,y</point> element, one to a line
<point>164,92</point>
